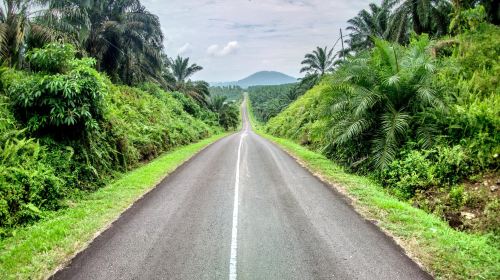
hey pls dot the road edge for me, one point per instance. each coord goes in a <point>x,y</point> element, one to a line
<point>427,242</point>
<point>43,263</point>
<point>139,198</point>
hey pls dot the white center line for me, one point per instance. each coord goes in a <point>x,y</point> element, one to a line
<point>234,235</point>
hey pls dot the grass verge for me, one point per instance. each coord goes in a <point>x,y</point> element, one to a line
<point>34,252</point>
<point>441,250</point>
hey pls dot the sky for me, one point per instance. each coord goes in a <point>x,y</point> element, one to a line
<point>232,39</point>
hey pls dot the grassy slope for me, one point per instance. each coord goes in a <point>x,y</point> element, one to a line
<point>36,251</point>
<point>444,252</point>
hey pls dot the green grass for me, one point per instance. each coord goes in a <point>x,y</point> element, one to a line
<point>443,251</point>
<point>34,252</point>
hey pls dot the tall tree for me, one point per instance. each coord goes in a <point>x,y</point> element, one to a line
<point>319,62</point>
<point>424,16</point>
<point>369,24</point>
<point>122,35</point>
<point>178,71</point>
<point>17,26</point>
<point>316,65</point>
<point>181,70</point>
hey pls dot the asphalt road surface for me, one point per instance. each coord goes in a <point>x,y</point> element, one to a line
<point>242,209</point>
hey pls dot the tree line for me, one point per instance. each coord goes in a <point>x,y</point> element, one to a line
<point>123,37</point>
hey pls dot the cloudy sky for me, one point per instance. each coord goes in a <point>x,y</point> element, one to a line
<point>232,39</point>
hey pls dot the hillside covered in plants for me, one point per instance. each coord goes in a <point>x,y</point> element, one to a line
<point>418,114</point>
<point>86,94</point>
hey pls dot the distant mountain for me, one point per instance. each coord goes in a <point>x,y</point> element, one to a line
<point>260,79</point>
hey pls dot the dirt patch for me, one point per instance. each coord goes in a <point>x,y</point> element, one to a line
<point>473,206</point>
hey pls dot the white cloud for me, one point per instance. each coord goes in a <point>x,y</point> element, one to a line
<point>185,49</point>
<point>213,49</point>
<point>229,48</point>
<point>271,34</point>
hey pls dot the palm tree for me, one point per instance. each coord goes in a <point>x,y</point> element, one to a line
<point>122,35</point>
<point>17,27</point>
<point>373,23</point>
<point>424,16</point>
<point>178,71</point>
<point>198,90</point>
<point>378,101</point>
<point>319,62</point>
<point>226,110</point>
<point>316,65</point>
<point>181,70</point>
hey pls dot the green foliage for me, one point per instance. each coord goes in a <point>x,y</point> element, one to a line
<point>407,175</point>
<point>178,71</point>
<point>227,111</point>
<point>471,77</point>
<point>268,101</point>
<point>28,183</point>
<point>456,197</point>
<point>492,219</point>
<point>441,166</point>
<point>18,28</point>
<point>396,20</point>
<point>381,98</point>
<point>54,58</point>
<point>469,19</point>
<point>96,130</point>
<point>319,62</point>
<point>423,119</point>
<point>451,164</point>
<point>62,93</point>
<point>374,23</point>
<point>301,119</point>
<point>189,105</point>
<point>123,36</point>
<point>473,65</point>
<point>233,93</point>
<point>155,125</point>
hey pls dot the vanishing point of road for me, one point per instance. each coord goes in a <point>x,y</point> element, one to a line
<point>242,209</point>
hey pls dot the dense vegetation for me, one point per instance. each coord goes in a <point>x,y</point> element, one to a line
<point>418,114</point>
<point>268,101</point>
<point>232,93</point>
<point>86,93</point>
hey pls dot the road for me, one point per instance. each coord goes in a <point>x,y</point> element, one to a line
<point>242,209</point>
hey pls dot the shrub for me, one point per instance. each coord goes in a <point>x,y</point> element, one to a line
<point>441,166</point>
<point>85,131</point>
<point>52,59</point>
<point>145,124</point>
<point>405,176</point>
<point>456,197</point>
<point>451,164</point>
<point>190,106</point>
<point>63,94</point>
<point>468,19</point>
<point>28,184</point>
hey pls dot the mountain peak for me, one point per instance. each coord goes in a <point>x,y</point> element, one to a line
<point>261,78</point>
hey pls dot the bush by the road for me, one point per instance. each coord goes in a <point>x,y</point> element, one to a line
<point>423,119</point>
<point>66,129</point>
